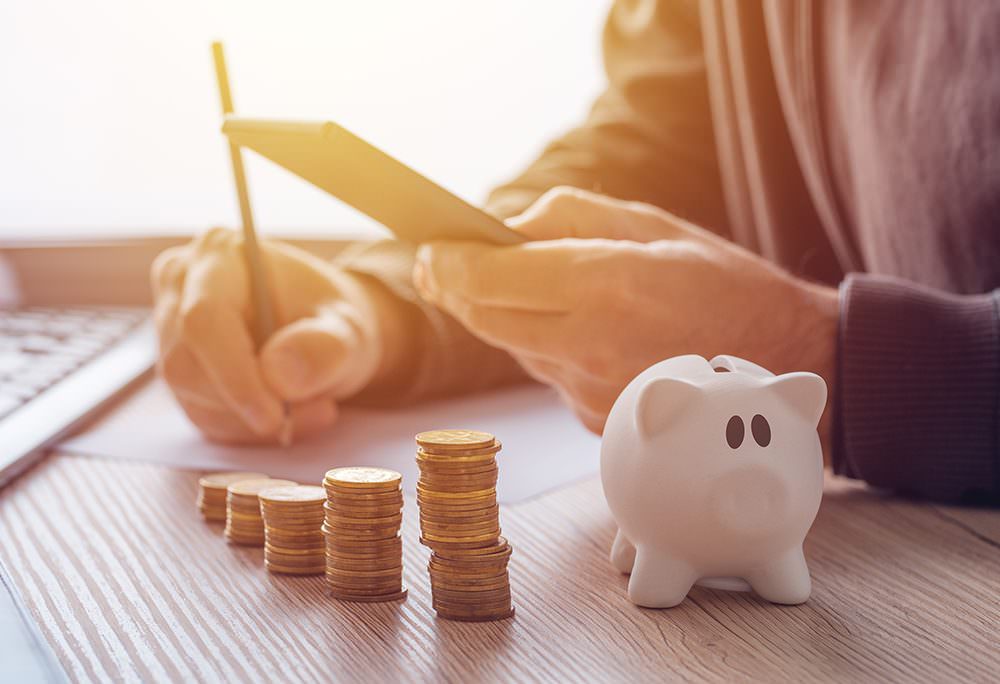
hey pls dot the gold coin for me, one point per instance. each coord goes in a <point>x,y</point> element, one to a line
<point>362,511</point>
<point>343,596</point>
<point>479,598</point>
<point>370,546</point>
<point>296,551</point>
<point>457,458</point>
<point>470,570</point>
<point>456,507</point>
<point>294,524</point>
<point>379,589</point>
<point>463,518</point>
<point>220,481</point>
<point>475,585</point>
<point>434,495</point>
<point>291,494</point>
<point>290,570</point>
<point>454,439</point>
<point>363,477</point>
<point>251,488</point>
<point>359,590</point>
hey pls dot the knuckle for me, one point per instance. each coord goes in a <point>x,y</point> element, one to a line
<point>561,197</point>
<point>213,238</point>
<point>165,266</point>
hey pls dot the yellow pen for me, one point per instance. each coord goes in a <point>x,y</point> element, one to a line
<point>263,325</point>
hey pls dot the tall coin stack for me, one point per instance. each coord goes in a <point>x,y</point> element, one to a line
<point>460,522</point>
<point>293,529</point>
<point>212,492</point>
<point>243,522</point>
<point>364,552</point>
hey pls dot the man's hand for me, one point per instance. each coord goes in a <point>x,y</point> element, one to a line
<point>329,344</point>
<point>608,288</point>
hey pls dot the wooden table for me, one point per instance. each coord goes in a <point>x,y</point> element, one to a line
<point>127,583</point>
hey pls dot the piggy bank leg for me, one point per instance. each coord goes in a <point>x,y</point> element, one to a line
<point>659,580</point>
<point>622,554</point>
<point>785,580</point>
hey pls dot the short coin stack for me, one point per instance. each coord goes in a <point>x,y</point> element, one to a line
<point>364,552</point>
<point>212,492</point>
<point>293,529</point>
<point>460,522</point>
<point>244,525</point>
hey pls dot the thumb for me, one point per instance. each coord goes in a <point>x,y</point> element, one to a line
<point>566,212</point>
<point>325,355</point>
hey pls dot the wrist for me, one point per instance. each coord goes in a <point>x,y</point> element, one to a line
<point>819,351</point>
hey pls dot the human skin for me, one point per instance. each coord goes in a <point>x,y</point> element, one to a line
<point>329,342</point>
<point>606,288</point>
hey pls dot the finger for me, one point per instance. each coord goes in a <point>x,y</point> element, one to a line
<point>565,212</point>
<point>590,401</point>
<point>538,276</point>
<point>218,338</point>
<point>189,383</point>
<point>166,319</point>
<point>167,271</point>
<point>577,393</point>
<point>308,418</point>
<point>530,332</point>
<point>321,355</point>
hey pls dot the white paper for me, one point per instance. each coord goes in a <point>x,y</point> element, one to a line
<point>544,446</point>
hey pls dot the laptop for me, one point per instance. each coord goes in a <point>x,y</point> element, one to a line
<point>59,367</point>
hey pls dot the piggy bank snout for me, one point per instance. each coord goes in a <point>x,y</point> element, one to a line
<point>750,500</point>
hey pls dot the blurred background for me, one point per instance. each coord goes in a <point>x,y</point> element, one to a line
<point>109,121</point>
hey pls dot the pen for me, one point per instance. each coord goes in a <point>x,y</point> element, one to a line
<point>263,324</point>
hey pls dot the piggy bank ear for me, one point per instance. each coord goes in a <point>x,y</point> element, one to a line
<point>805,393</point>
<point>660,402</point>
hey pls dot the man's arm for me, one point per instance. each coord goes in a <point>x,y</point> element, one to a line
<point>648,138</point>
<point>919,389</point>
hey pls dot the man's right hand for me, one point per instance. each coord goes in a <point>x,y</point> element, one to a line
<point>329,343</point>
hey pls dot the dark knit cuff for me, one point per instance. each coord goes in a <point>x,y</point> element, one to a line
<point>918,389</point>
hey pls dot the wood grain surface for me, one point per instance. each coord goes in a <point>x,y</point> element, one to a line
<point>128,584</point>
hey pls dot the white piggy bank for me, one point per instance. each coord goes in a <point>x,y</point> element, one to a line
<point>714,477</point>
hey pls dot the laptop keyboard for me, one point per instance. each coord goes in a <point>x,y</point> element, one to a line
<point>40,346</point>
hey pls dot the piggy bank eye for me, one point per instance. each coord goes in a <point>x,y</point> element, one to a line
<point>761,430</point>
<point>734,432</point>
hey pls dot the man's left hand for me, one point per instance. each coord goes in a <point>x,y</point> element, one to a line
<point>607,288</point>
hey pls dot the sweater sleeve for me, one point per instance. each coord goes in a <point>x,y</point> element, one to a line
<point>649,136</point>
<point>443,358</point>
<point>918,390</point>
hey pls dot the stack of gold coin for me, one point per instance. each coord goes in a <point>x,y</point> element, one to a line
<point>364,552</point>
<point>293,529</point>
<point>244,525</point>
<point>212,492</point>
<point>460,522</point>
